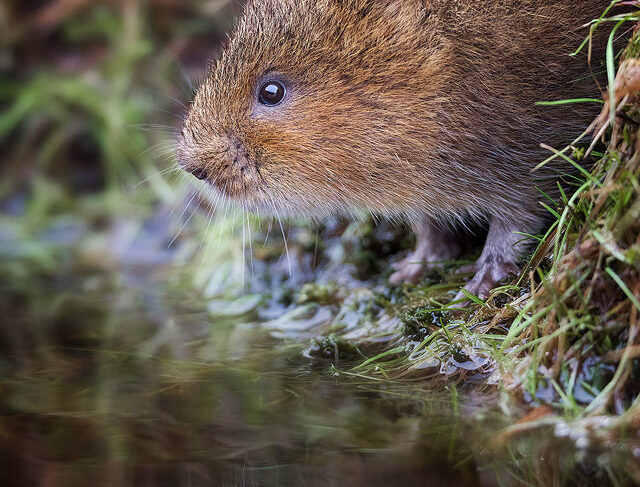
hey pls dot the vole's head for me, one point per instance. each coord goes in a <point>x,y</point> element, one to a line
<point>316,105</point>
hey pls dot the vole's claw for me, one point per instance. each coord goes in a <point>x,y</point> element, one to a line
<point>486,278</point>
<point>498,260</point>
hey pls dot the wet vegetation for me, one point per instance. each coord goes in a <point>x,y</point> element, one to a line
<point>153,335</point>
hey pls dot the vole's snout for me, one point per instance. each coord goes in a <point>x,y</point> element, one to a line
<point>188,165</point>
<point>220,159</point>
<point>239,157</point>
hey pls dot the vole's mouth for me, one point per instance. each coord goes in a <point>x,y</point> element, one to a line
<point>224,164</point>
<point>238,180</point>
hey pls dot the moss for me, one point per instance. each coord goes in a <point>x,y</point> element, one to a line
<point>323,294</point>
<point>334,348</point>
<point>418,322</point>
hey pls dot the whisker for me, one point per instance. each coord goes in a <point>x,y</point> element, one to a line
<point>284,237</point>
<point>165,96</point>
<point>156,174</point>
<point>156,109</point>
<point>160,149</point>
<point>243,248</point>
<point>184,74</point>
<point>315,250</point>
<point>155,127</point>
<point>189,198</point>
<point>269,226</point>
<point>182,228</point>
<point>250,244</point>
<point>211,215</point>
<point>224,216</point>
<point>186,207</point>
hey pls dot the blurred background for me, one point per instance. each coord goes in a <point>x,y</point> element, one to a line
<point>91,94</point>
<point>152,336</point>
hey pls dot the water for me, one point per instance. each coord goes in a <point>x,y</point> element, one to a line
<point>106,389</point>
<point>118,369</point>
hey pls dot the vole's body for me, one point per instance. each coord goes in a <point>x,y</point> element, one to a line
<point>422,109</point>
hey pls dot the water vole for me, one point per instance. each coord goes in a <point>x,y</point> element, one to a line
<point>416,109</point>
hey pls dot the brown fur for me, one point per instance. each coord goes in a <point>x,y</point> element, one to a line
<point>407,108</point>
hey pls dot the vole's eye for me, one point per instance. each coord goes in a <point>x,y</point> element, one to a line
<point>271,93</point>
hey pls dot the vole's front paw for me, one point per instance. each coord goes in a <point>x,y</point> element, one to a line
<point>434,246</point>
<point>487,275</point>
<point>409,270</point>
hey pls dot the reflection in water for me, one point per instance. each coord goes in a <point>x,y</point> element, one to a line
<point>116,371</point>
<point>234,427</point>
<point>94,403</point>
<point>117,376</point>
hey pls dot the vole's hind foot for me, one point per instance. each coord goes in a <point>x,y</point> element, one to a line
<point>433,247</point>
<point>487,276</point>
<point>499,259</point>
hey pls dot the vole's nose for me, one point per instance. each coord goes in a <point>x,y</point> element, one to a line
<point>189,167</point>
<point>201,174</point>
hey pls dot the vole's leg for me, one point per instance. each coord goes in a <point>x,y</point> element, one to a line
<point>499,258</point>
<point>433,246</point>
